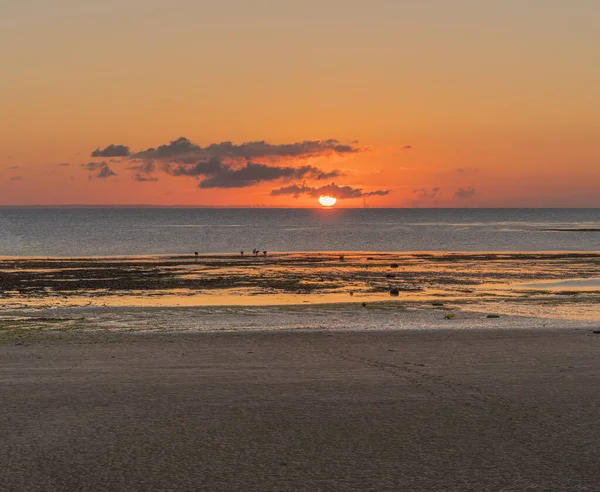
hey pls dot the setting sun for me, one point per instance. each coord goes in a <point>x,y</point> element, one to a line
<point>327,201</point>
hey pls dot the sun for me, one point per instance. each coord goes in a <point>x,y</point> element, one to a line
<point>327,201</point>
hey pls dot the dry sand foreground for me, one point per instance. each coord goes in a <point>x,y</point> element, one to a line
<point>504,410</point>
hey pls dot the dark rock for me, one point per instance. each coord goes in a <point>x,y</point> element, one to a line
<point>493,315</point>
<point>596,332</point>
<point>437,303</point>
<point>394,292</point>
<point>394,265</point>
<point>364,304</point>
<point>390,275</point>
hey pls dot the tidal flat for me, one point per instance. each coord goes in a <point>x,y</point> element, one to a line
<point>131,292</point>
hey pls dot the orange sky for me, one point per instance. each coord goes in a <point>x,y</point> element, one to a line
<point>499,103</point>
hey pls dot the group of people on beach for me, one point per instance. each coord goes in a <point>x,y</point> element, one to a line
<point>255,252</point>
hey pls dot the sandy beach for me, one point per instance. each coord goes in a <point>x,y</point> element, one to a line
<point>432,410</point>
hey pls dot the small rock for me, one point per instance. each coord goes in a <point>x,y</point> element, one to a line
<point>364,304</point>
<point>390,275</point>
<point>596,332</point>
<point>394,265</point>
<point>437,303</point>
<point>493,315</point>
<point>449,316</point>
<point>394,292</point>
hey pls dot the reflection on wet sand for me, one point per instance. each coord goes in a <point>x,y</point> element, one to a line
<point>503,282</point>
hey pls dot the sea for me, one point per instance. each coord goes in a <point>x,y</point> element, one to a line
<point>113,231</point>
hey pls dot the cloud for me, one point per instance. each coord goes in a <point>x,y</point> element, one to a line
<point>339,192</point>
<point>465,193</point>
<point>102,167</point>
<point>225,164</point>
<point>112,151</point>
<point>106,172</point>
<point>16,178</point>
<point>407,147</point>
<point>427,192</point>
<point>183,150</point>
<point>217,174</point>
<point>94,166</point>
<point>143,172</point>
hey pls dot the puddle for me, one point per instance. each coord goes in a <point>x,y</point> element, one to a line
<point>588,284</point>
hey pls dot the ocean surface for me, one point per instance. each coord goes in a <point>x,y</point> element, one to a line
<point>151,231</point>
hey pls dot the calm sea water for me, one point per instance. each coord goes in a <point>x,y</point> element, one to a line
<point>144,231</point>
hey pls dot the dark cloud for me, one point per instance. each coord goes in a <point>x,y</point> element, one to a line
<point>339,192</point>
<point>16,178</point>
<point>204,168</point>
<point>225,164</point>
<point>217,174</point>
<point>94,166</point>
<point>102,167</point>
<point>112,151</point>
<point>183,150</point>
<point>427,192</point>
<point>106,172</point>
<point>465,193</point>
<point>143,172</point>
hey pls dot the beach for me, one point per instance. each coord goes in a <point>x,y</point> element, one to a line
<point>450,410</point>
<point>301,372</point>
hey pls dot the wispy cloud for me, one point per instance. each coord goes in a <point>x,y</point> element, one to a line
<point>427,192</point>
<point>465,193</point>
<point>101,169</point>
<point>339,192</point>
<point>143,172</point>
<point>467,170</point>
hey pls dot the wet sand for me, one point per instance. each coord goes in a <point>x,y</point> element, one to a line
<point>430,410</point>
<point>551,285</point>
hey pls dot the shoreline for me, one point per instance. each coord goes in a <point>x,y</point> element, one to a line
<point>231,254</point>
<point>98,323</point>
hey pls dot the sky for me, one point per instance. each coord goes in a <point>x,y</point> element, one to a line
<point>389,103</point>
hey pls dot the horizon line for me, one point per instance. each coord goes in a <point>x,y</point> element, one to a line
<point>142,205</point>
